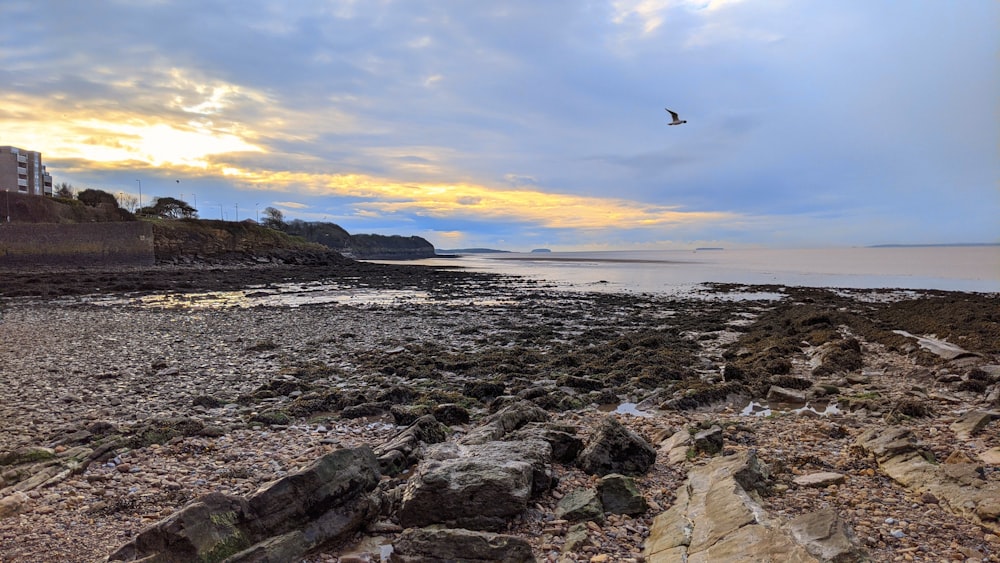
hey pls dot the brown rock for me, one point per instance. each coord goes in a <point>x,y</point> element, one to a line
<point>820,480</point>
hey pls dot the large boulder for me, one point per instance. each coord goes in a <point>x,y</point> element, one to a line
<point>616,449</point>
<point>323,503</point>
<point>475,486</point>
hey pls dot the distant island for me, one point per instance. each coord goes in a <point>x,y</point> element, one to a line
<point>708,248</point>
<point>934,245</point>
<point>540,250</point>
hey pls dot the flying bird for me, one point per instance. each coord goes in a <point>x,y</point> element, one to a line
<point>676,120</point>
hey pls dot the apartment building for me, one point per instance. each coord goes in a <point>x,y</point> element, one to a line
<point>23,172</point>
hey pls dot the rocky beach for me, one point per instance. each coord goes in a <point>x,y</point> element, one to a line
<point>333,410</point>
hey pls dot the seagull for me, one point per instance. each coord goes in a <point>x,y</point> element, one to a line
<point>676,121</point>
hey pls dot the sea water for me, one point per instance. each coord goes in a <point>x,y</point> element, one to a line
<point>951,268</point>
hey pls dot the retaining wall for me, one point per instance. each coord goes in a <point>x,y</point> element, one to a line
<point>77,245</point>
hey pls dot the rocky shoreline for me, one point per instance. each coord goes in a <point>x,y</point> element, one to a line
<point>120,409</point>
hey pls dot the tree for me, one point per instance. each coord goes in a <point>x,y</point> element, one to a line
<point>65,191</point>
<point>129,202</point>
<point>169,208</point>
<point>274,218</point>
<point>97,198</point>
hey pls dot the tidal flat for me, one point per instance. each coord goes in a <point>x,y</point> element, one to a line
<point>128,395</point>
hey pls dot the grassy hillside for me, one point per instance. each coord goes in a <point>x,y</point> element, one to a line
<point>212,238</point>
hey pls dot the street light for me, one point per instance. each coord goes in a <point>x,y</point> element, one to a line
<point>140,192</point>
<point>256,211</point>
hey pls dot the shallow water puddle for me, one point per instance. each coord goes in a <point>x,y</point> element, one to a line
<point>625,408</point>
<point>763,409</point>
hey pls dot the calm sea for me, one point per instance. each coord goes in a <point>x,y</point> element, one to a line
<point>956,268</point>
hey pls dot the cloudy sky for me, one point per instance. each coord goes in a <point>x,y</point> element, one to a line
<point>526,124</point>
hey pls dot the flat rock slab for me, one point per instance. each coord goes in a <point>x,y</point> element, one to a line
<point>425,545</point>
<point>958,486</point>
<point>715,518</point>
<point>820,480</point>
<point>938,347</point>
<point>991,456</point>
<point>971,423</point>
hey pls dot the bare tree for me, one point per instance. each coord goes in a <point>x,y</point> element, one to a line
<point>274,218</point>
<point>129,202</point>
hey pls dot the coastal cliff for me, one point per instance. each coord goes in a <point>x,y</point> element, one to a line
<point>364,246</point>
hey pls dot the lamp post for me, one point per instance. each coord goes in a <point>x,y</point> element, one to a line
<point>256,211</point>
<point>140,192</point>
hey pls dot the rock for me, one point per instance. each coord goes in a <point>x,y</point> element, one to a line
<point>511,418</point>
<point>562,437</point>
<point>323,503</point>
<point>715,519</point>
<point>676,447</point>
<point>581,504</point>
<point>30,454</point>
<point>425,545</point>
<point>971,423</point>
<point>405,415</point>
<point>937,347</point>
<point>405,448</point>
<point>960,486</point>
<point>820,480</point>
<point>577,538</point>
<point>451,414</point>
<point>619,495</point>
<point>616,449</point>
<point>709,441</point>
<point>991,456</point>
<point>989,509</point>
<point>826,537</point>
<point>475,486</point>
<point>958,456</point>
<point>783,395</point>
<point>13,504</point>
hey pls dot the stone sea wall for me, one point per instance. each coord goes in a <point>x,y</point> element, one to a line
<point>76,245</point>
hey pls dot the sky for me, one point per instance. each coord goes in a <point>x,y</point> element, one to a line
<point>524,124</point>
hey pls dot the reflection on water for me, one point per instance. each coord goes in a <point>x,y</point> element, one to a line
<point>624,408</point>
<point>290,295</point>
<point>670,272</point>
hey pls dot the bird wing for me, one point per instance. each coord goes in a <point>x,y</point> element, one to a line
<point>673,114</point>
